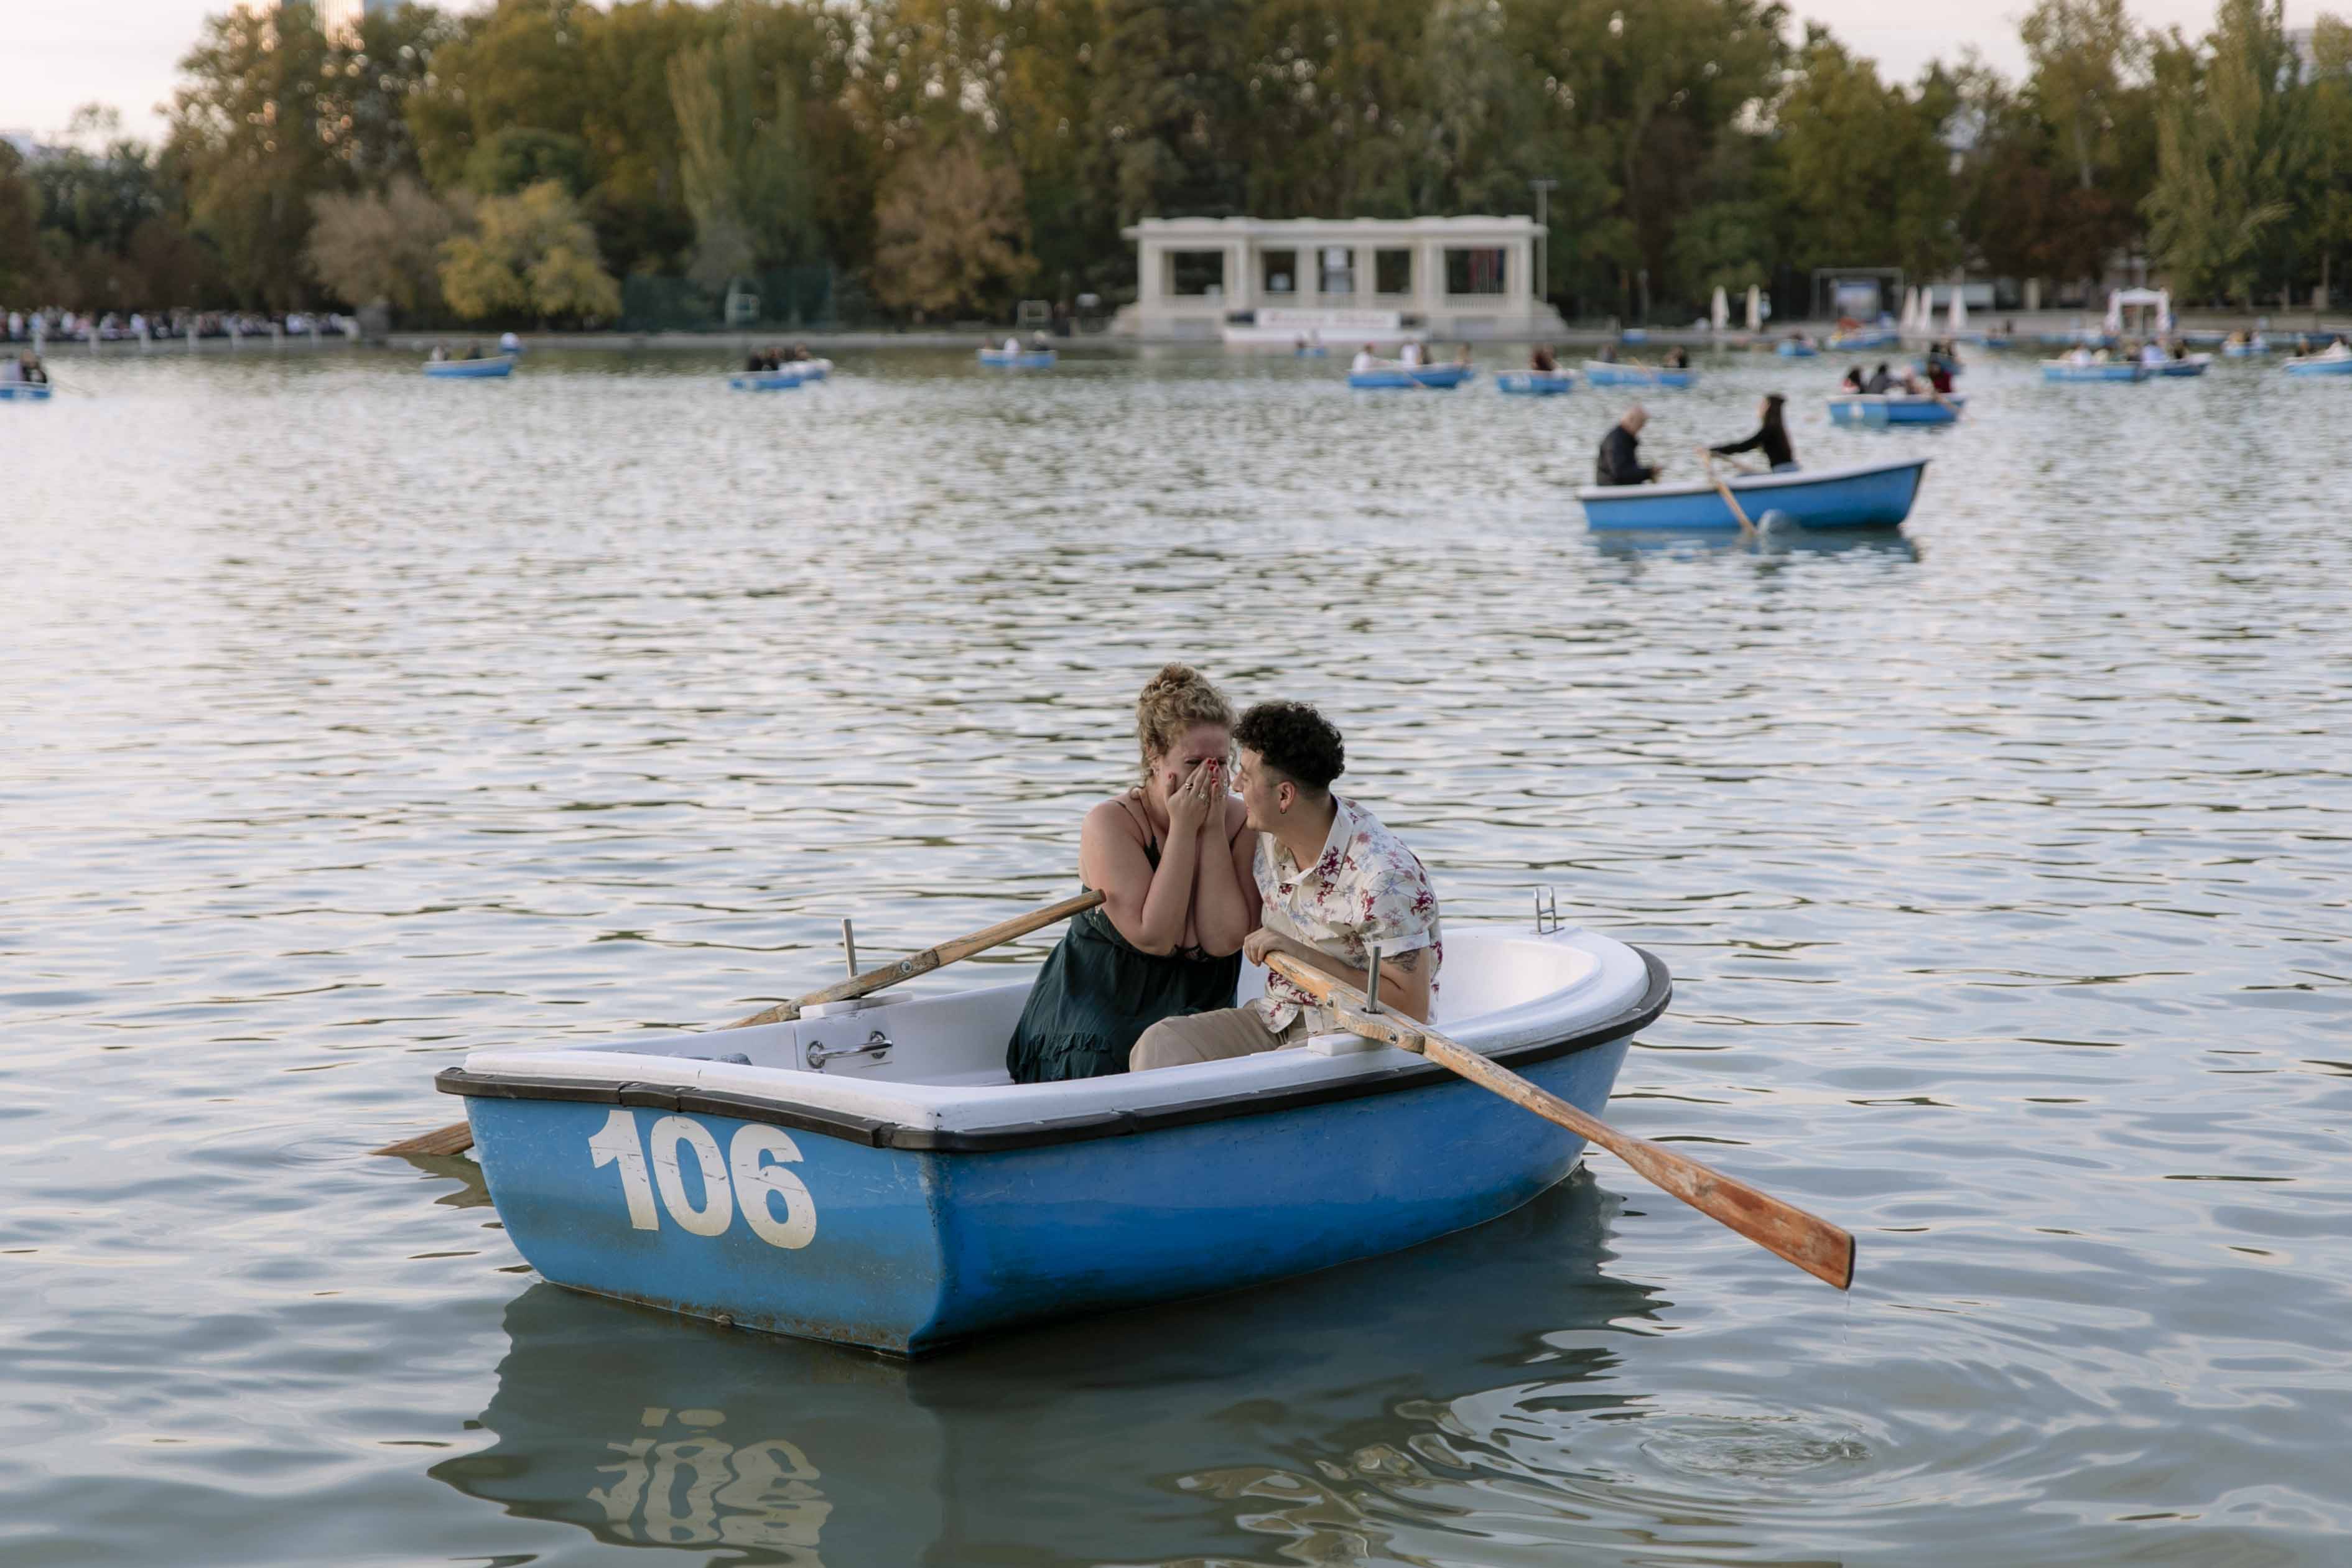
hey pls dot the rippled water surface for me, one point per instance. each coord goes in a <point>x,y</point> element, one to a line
<point>352,721</point>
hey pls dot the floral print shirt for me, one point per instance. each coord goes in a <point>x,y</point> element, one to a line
<point>1366,887</point>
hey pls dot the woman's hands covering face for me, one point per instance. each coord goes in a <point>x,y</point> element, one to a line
<point>1191,803</point>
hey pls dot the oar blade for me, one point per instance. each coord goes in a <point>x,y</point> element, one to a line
<point>453,1139</point>
<point>1821,1250</point>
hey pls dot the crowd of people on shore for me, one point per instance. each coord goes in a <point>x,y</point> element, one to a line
<point>56,326</point>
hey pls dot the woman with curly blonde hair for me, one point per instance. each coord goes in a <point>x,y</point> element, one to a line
<point>1174,865</point>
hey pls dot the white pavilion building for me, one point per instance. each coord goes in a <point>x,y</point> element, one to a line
<point>1342,280</point>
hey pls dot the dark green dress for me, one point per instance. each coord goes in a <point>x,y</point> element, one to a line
<point>1096,994</point>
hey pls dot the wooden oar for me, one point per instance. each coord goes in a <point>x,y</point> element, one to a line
<point>1813,1244</point>
<point>458,1137</point>
<point>1746,529</point>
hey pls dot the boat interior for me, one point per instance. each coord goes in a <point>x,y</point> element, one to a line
<point>938,1060</point>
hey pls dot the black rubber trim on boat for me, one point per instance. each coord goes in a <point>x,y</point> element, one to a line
<point>1655,995</point>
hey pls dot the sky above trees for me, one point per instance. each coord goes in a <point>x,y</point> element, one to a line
<point>62,54</point>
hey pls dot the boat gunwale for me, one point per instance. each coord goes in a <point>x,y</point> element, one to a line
<point>1742,484</point>
<point>1657,993</point>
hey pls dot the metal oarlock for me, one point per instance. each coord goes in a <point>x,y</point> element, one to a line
<point>849,945</point>
<point>1372,982</point>
<point>1547,911</point>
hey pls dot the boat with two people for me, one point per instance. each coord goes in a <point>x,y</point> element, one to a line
<point>2084,364</point>
<point>1010,356</point>
<point>1542,378</point>
<point>2335,360</point>
<point>1409,370</point>
<point>1675,373</point>
<point>471,365</point>
<point>778,368</point>
<point>23,378</point>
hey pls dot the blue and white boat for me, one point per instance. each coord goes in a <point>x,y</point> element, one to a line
<point>1024,359</point>
<point>25,391</point>
<point>1878,409</point>
<point>1791,349</point>
<point>1612,373</point>
<point>1865,338</point>
<point>470,369</point>
<point>2194,365</point>
<point>764,381</point>
<point>1864,496</point>
<point>867,1174</point>
<point>2329,364</point>
<point>2096,370</point>
<point>2257,344</point>
<point>1395,378</point>
<point>1534,383</point>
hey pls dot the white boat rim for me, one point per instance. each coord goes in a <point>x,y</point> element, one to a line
<point>1742,483</point>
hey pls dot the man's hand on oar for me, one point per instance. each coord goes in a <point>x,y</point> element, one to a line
<point>1813,1244</point>
<point>458,1137</point>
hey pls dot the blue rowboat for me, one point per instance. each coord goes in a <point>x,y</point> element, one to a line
<point>1534,383</point>
<point>1865,338</point>
<point>1391,377</point>
<point>2103,371</point>
<point>1026,360</point>
<point>764,381</point>
<point>2194,365</point>
<point>867,1174</point>
<point>2246,351</point>
<point>469,370</point>
<point>2319,365</point>
<point>1605,373</point>
<point>1866,495</point>
<point>1881,409</point>
<point>25,391</point>
<point>1791,349</point>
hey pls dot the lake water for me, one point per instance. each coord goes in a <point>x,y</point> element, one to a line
<point>354,721</point>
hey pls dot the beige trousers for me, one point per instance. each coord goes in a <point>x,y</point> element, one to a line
<point>1212,1037</point>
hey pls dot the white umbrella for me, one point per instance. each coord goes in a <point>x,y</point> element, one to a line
<point>1958,316</point>
<point>1719,313</point>
<point>1754,309</point>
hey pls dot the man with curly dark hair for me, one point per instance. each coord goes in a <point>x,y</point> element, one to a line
<point>1334,882</point>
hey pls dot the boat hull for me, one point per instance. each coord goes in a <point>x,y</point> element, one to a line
<point>1870,338</point>
<point>1873,495</point>
<point>1027,359</point>
<point>1876,413</point>
<point>2112,370</point>
<point>25,391</point>
<point>764,380</point>
<point>908,1249</point>
<point>2316,366</point>
<point>1601,373</point>
<point>1402,378</point>
<point>470,369</point>
<point>2175,370</point>
<point>1796,350</point>
<point>1534,383</point>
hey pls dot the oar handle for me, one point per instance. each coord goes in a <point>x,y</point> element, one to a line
<point>924,962</point>
<point>1811,1243</point>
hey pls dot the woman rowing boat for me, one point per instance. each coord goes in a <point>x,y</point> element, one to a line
<point>1772,434</point>
<point>1174,868</point>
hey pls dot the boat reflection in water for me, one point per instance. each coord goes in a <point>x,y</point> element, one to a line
<point>1168,1432</point>
<point>1773,541</point>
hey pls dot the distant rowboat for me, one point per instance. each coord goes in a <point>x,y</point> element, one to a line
<point>1865,338</point>
<point>2194,365</point>
<point>1025,359</point>
<point>2098,371</point>
<point>24,392</point>
<point>1877,410</point>
<point>469,370</point>
<point>1866,496</point>
<point>1534,383</point>
<point>783,378</point>
<point>2319,365</point>
<point>1611,374</point>
<point>1792,350</point>
<point>1395,377</point>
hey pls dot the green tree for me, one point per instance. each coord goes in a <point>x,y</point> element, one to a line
<point>2329,202</point>
<point>742,157</point>
<point>952,229</point>
<point>1868,172</point>
<point>25,276</point>
<point>1169,105</point>
<point>2231,153</point>
<point>247,135</point>
<point>531,254</point>
<point>520,156</point>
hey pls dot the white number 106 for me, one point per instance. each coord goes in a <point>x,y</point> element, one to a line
<point>755,1160</point>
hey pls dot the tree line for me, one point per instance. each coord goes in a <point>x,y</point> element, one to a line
<point>946,157</point>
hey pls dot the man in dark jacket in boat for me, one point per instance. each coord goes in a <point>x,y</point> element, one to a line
<point>1620,452</point>
<point>1333,882</point>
